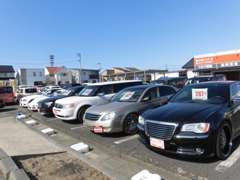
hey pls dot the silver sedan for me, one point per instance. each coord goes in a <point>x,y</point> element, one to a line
<point>121,114</point>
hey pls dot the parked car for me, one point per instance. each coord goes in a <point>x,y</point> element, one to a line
<point>33,105</point>
<point>24,102</point>
<point>201,119</point>
<point>1,103</point>
<point>45,106</point>
<point>200,79</point>
<point>73,108</point>
<point>7,95</point>
<point>178,82</point>
<point>121,114</point>
<point>24,91</point>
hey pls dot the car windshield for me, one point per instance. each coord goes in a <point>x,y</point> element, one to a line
<point>129,95</point>
<point>31,90</point>
<point>89,91</point>
<point>63,92</point>
<point>213,94</point>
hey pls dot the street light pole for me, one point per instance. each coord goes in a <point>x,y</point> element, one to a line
<point>80,62</point>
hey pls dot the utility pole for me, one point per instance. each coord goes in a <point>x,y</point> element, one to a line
<point>80,62</point>
<point>99,69</point>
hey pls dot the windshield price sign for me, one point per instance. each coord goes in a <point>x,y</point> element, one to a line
<point>200,94</point>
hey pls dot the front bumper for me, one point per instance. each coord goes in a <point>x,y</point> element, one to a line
<point>33,107</point>
<point>107,126</point>
<point>64,114</point>
<point>184,144</point>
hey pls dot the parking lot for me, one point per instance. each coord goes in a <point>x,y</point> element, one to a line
<point>131,146</point>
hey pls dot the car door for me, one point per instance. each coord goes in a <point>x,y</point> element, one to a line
<point>150,99</point>
<point>235,107</point>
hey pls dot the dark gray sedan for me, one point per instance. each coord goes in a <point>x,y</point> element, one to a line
<point>121,114</point>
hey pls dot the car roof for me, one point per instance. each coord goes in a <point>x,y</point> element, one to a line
<point>147,86</point>
<point>215,83</point>
<point>111,82</point>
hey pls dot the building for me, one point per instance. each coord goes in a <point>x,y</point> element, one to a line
<point>58,75</point>
<point>226,62</point>
<point>84,75</point>
<point>31,76</point>
<point>7,76</point>
<point>117,74</point>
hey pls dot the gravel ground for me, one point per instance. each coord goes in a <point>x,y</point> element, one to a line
<point>61,166</point>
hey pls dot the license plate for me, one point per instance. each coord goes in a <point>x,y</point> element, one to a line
<point>55,112</point>
<point>98,129</point>
<point>158,143</point>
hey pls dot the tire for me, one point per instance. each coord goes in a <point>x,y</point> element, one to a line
<point>224,142</point>
<point>130,124</point>
<point>81,113</point>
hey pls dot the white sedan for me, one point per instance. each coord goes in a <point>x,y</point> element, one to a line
<point>26,100</point>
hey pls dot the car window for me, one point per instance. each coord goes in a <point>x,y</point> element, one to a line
<point>121,86</point>
<point>6,90</point>
<point>106,89</point>
<point>31,90</point>
<point>214,94</point>
<point>165,91</point>
<point>152,93</point>
<point>129,95</point>
<point>235,91</point>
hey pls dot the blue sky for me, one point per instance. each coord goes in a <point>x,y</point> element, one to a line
<point>140,33</point>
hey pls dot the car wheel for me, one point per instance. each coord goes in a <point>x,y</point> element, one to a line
<point>80,113</point>
<point>130,124</point>
<point>224,142</point>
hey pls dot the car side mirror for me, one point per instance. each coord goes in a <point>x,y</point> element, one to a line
<point>146,99</point>
<point>100,94</point>
<point>235,101</point>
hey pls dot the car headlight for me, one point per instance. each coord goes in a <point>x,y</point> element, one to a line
<point>49,104</point>
<point>196,127</point>
<point>108,116</point>
<point>141,120</point>
<point>69,105</point>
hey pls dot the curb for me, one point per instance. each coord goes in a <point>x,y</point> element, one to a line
<point>9,169</point>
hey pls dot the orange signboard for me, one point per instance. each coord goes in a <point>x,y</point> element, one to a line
<point>217,59</point>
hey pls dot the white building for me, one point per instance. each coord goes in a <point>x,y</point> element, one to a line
<point>31,76</point>
<point>84,75</point>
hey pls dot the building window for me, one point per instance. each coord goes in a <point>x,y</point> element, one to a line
<point>34,74</point>
<point>40,74</point>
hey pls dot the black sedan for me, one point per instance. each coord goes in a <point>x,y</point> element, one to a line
<point>45,106</point>
<point>201,119</point>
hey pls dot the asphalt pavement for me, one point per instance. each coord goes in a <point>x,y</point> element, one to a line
<point>132,147</point>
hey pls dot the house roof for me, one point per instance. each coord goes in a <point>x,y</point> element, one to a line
<point>189,64</point>
<point>53,70</point>
<point>6,69</point>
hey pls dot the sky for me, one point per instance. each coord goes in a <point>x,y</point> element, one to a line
<point>147,34</point>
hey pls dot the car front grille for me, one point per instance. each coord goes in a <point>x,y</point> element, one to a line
<point>59,106</point>
<point>92,117</point>
<point>160,130</point>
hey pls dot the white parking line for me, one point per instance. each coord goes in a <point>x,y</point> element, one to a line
<point>78,127</point>
<point>224,165</point>
<point>126,139</point>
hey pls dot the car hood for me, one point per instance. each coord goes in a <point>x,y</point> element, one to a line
<point>111,107</point>
<point>52,98</point>
<point>36,100</point>
<point>31,97</point>
<point>182,112</point>
<point>74,99</point>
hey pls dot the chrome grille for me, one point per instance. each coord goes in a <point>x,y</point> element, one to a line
<point>92,117</point>
<point>160,130</point>
<point>59,106</point>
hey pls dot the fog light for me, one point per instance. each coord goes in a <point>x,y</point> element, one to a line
<point>199,150</point>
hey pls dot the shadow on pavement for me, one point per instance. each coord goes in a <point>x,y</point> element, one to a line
<point>7,109</point>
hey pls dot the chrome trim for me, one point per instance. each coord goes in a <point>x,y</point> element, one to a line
<point>160,122</point>
<point>192,137</point>
<point>193,153</point>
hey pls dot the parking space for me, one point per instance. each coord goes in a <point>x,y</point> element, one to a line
<point>207,168</point>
